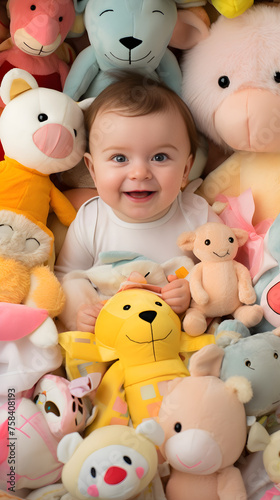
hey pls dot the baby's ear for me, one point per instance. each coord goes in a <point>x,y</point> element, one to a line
<point>241,236</point>
<point>186,240</point>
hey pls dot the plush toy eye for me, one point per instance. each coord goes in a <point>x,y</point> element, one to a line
<point>32,7</point>
<point>158,304</point>
<point>224,82</point>
<point>60,19</point>
<point>231,239</point>
<point>104,11</point>
<point>42,117</point>
<point>127,460</point>
<point>207,242</point>
<point>75,132</point>
<point>159,11</point>
<point>248,363</point>
<point>93,472</point>
<point>277,76</point>
<point>6,230</point>
<point>126,307</point>
<point>178,427</point>
<point>275,355</point>
<point>50,407</point>
<point>31,244</point>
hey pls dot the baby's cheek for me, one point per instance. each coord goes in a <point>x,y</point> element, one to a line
<point>93,491</point>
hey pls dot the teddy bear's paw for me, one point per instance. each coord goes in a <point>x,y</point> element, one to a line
<point>249,315</point>
<point>194,323</point>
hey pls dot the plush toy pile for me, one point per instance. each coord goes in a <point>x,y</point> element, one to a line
<point>151,406</point>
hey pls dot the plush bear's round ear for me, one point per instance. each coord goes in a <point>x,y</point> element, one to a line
<point>15,82</point>
<point>151,430</point>
<point>67,445</point>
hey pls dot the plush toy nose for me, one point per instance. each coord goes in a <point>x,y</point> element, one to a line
<point>54,140</point>
<point>130,42</point>
<point>115,475</point>
<point>44,29</point>
<point>148,316</point>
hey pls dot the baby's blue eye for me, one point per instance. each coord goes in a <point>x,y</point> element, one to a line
<point>120,158</point>
<point>159,157</point>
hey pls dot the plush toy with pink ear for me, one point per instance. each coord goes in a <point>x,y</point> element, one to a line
<point>219,285</point>
<point>231,85</point>
<point>205,428</point>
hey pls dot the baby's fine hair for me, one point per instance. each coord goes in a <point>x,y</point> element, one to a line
<point>133,94</point>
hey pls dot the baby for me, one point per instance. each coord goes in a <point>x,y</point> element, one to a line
<point>142,144</point>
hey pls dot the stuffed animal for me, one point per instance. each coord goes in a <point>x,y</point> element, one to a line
<point>260,440</point>
<point>37,30</point>
<point>60,407</point>
<point>28,348</point>
<point>24,248</point>
<point>268,283</point>
<point>125,36</point>
<point>256,357</point>
<point>219,285</point>
<point>139,329</point>
<point>234,100</point>
<point>205,428</point>
<point>107,278</point>
<point>42,131</point>
<point>115,462</point>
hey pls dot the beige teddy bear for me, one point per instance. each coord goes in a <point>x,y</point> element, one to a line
<point>219,285</point>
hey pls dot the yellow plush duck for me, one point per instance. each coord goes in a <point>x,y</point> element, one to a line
<point>138,328</point>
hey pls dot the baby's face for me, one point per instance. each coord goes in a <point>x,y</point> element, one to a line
<point>139,163</point>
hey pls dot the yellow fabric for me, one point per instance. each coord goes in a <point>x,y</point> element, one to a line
<point>31,193</point>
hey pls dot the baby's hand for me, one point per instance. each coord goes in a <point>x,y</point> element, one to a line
<point>177,294</point>
<point>87,315</point>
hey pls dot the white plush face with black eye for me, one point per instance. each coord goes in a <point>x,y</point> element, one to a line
<point>114,471</point>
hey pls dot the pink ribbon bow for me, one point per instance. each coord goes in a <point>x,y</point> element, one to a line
<point>239,214</point>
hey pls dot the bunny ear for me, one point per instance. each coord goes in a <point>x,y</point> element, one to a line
<point>15,82</point>
<point>258,438</point>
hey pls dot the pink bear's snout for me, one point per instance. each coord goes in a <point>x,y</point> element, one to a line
<point>44,29</point>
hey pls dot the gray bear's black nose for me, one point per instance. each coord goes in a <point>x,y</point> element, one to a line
<point>130,42</point>
<point>148,316</point>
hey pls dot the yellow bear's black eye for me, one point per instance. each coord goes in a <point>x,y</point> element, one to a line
<point>126,307</point>
<point>158,304</point>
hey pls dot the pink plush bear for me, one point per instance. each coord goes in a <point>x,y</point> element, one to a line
<point>219,285</point>
<point>231,83</point>
<point>205,428</point>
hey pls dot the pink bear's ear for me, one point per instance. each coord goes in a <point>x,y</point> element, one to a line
<point>186,240</point>
<point>241,235</point>
<point>190,28</point>
<point>206,361</point>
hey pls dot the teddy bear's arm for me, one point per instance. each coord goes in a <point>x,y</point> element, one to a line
<point>246,292</point>
<point>198,294</point>
<point>83,70</point>
<point>62,206</point>
<point>231,485</point>
<point>169,71</point>
<point>224,179</point>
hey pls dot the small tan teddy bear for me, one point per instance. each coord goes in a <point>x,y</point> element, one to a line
<point>219,285</point>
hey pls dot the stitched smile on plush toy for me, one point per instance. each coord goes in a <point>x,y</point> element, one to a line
<point>130,60</point>
<point>35,51</point>
<point>222,256</point>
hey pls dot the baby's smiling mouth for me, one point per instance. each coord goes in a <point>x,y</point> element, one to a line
<point>139,195</point>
